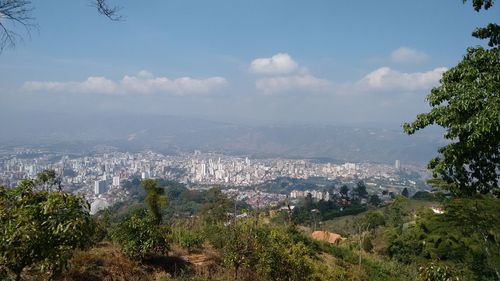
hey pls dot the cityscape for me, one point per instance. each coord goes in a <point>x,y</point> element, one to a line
<point>100,177</point>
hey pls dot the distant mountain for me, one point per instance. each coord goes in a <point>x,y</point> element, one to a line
<point>170,134</point>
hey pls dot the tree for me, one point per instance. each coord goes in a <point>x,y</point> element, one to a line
<point>481,4</point>
<point>396,212</point>
<point>344,191</point>
<point>217,206</point>
<point>373,218</point>
<point>374,200</point>
<point>405,192</point>
<point>308,202</point>
<point>279,257</point>
<point>141,233</point>
<point>239,246</point>
<point>14,13</point>
<point>155,199</point>
<point>466,237</point>
<point>139,236</point>
<point>467,105</point>
<point>360,190</point>
<point>40,229</point>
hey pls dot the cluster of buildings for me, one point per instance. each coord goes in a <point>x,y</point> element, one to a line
<point>255,198</point>
<point>100,176</point>
<point>315,194</point>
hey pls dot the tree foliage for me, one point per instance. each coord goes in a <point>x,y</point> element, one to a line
<point>41,228</point>
<point>491,32</point>
<point>481,4</point>
<point>466,237</point>
<point>140,236</point>
<point>155,198</point>
<point>467,105</point>
<point>270,252</point>
<point>344,191</point>
<point>217,206</point>
<point>405,192</point>
<point>360,190</point>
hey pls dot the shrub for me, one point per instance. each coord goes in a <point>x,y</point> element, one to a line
<point>140,236</point>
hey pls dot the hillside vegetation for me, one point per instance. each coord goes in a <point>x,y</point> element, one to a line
<point>404,240</point>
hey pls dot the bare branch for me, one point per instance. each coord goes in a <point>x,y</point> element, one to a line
<point>15,13</point>
<point>12,14</point>
<point>110,12</point>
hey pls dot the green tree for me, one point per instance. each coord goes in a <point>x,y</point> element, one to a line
<point>466,237</point>
<point>405,192</point>
<point>308,202</point>
<point>360,190</point>
<point>239,246</point>
<point>155,198</point>
<point>374,200</point>
<point>374,219</point>
<point>481,4</point>
<point>216,207</point>
<point>467,105</point>
<point>40,229</point>
<point>344,191</point>
<point>279,257</point>
<point>139,236</point>
<point>188,234</point>
<point>396,212</point>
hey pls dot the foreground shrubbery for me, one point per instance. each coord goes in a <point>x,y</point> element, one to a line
<point>40,228</point>
<point>464,241</point>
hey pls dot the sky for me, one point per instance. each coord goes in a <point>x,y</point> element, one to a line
<point>249,61</point>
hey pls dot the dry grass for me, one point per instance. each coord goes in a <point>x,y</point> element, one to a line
<point>106,262</point>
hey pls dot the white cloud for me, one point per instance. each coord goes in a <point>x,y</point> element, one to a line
<point>302,83</point>
<point>408,55</point>
<point>278,64</point>
<point>387,79</point>
<point>383,79</point>
<point>143,83</point>
<point>288,77</point>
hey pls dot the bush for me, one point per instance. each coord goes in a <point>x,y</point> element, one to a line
<point>140,236</point>
<point>40,229</point>
<point>189,238</point>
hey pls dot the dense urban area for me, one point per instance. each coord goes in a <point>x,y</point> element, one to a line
<point>100,177</point>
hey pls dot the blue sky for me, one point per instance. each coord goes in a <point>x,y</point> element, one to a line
<point>252,61</point>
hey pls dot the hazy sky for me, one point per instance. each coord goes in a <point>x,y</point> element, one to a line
<point>269,61</point>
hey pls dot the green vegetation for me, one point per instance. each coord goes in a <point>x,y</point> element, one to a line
<point>467,105</point>
<point>404,239</point>
<point>464,238</point>
<point>140,236</point>
<point>155,199</point>
<point>39,229</point>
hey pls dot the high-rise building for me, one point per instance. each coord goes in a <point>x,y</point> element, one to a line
<point>116,180</point>
<point>397,165</point>
<point>99,187</point>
